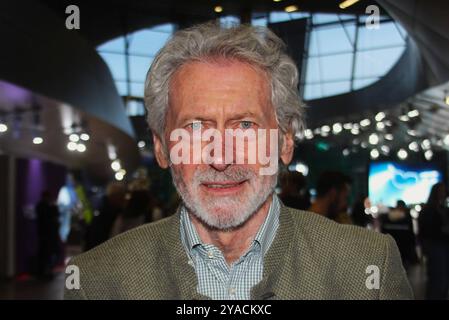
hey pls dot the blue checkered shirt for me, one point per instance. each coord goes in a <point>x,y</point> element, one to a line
<point>218,280</point>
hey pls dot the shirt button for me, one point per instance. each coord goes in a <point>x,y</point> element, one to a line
<point>190,262</point>
<point>231,291</point>
<point>210,254</point>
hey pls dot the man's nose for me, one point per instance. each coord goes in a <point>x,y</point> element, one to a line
<point>219,165</point>
<point>219,161</point>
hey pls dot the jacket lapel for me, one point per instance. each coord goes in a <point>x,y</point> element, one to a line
<point>182,273</point>
<point>275,259</point>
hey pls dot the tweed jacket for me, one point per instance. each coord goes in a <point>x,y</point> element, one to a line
<point>311,257</point>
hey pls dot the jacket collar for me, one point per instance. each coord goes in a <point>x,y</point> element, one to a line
<point>184,276</point>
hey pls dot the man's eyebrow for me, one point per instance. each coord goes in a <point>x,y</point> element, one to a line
<point>247,114</point>
<point>192,118</point>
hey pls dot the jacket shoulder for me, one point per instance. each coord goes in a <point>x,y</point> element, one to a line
<point>346,255</point>
<point>115,268</point>
<point>322,230</point>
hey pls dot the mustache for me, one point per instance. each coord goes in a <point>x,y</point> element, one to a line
<point>232,173</point>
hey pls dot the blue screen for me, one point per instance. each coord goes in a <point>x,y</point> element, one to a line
<point>391,181</point>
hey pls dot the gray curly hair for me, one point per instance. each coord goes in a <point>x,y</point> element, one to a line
<point>257,46</point>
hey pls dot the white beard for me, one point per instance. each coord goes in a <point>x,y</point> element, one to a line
<point>225,212</point>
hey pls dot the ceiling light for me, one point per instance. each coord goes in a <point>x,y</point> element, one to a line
<point>346,152</point>
<point>446,140</point>
<point>3,127</point>
<point>302,168</point>
<point>413,113</point>
<point>115,165</point>
<point>425,144</point>
<point>71,146</point>
<point>388,123</point>
<point>364,145</point>
<point>141,144</point>
<point>380,126</point>
<point>404,118</point>
<point>277,0</point>
<point>337,128</point>
<point>373,139</point>
<point>38,140</point>
<point>85,137</point>
<point>81,147</point>
<point>308,134</point>
<point>380,116</point>
<point>365,122</point>
<point>119,176</point>
<point>385,149</point>
<point>413,146</point>
<point>74,137</point>
<point>446,100</point>
<point>374,154</point>
<point>325,129</point>
<point>428,155</point>
<point>291,8</point>
<point>347,3</point>
<point>412,132</point>
<point>347,126</point>
<point>389,137</point>
<point>355,131</point>
<point>218,9</point>
<point>402,154</point>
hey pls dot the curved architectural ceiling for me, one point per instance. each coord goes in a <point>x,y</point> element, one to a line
<point>45,57</point>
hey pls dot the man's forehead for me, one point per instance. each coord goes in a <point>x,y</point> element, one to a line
<point>234,87</point>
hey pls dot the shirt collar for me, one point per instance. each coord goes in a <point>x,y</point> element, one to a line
<point>264,237</point>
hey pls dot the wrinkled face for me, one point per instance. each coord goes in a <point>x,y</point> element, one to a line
<point>221,95</point>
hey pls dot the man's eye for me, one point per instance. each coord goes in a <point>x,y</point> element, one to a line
<point>196,125</point>
<point>246,124</point>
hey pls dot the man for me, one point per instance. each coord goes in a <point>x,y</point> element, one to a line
<point>232,238</point>
<point>332,192</point>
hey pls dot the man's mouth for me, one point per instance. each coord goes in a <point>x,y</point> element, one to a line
<point>222,187</point>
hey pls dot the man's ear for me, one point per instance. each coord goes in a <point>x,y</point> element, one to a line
<point>159,152</point>
<point>288,146</point>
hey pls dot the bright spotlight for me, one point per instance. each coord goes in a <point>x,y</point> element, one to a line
<point>373,139</point>
<point>72,146</point>
<point>402,154</point>
<point>115,165</point>
<point>74,137</point>
<point>81,147</point>
<point>38,140</point>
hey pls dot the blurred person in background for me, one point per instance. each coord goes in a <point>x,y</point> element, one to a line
<point>140,206</point>
<point>294,193</point>
<point>112,205</point>
<point>48,235</point>
<point>399,224</point>
<point>358,212</point>
<point>68,204</point>
<point>332,192</point>
<point>434,235</point>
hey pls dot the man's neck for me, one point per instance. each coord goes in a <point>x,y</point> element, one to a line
<point>233,243</point>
